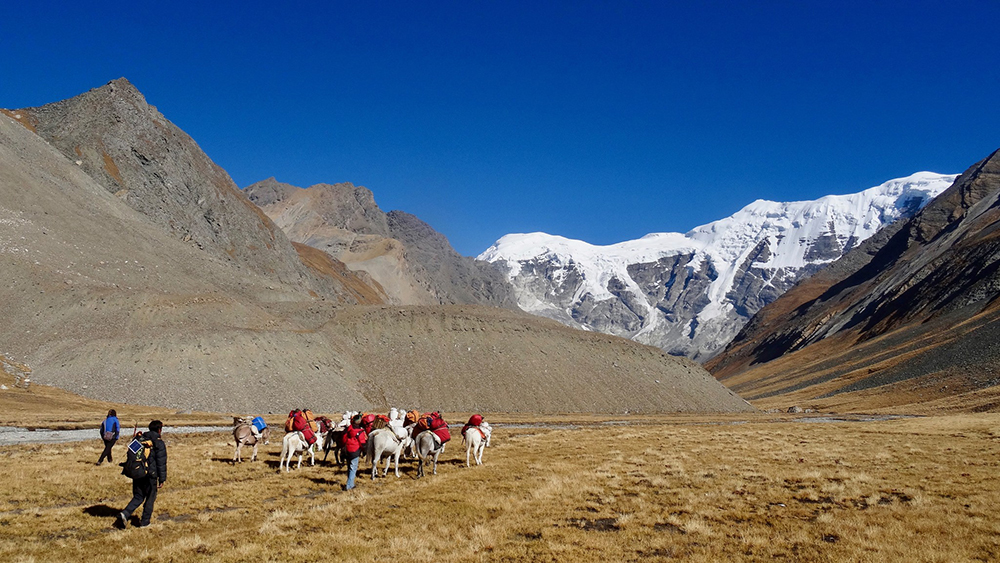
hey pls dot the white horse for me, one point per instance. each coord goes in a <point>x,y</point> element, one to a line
<point>243,434</point>
<point>476,439</point>
<point>428,446</point>
<point>295,443</point>
<point>389,442</point>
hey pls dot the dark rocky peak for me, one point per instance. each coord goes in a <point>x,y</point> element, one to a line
<point>341,205</point>
<point>269,191</point>
<point>331,216</point>
<point>978,182</point>
<point>134,152</point>
<point>408,227</point>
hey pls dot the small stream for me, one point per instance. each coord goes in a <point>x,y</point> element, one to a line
<point>12,436</point>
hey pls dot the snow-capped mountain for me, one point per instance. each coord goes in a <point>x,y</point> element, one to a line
<point>689,294</point>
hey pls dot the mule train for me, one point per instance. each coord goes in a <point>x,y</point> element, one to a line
<point>420,436</point>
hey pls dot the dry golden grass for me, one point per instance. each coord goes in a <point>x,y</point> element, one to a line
<point>652,489</point>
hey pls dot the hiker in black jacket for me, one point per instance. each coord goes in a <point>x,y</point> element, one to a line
<point>144,489</point>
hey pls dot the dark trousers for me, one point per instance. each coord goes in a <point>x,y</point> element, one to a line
<point>108,444</point>
<point>143,490</point>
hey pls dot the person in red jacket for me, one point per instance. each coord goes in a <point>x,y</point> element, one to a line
<point>354,440</point>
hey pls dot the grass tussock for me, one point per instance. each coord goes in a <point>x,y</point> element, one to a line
<point>651,490</point>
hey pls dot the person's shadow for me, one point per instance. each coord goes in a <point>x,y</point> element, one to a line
<point>104,511</point>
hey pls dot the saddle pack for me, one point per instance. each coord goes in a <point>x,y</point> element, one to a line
<point>259,424</point>
<point>474,422</point>
<point>310,420</point>
<point>439,427</point>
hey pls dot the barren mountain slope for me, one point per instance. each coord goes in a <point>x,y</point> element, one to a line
<point>908,320</point>
<point>467,357</point>
<point>102,301</point>
<point>413,263</point>
<point>134,152</point>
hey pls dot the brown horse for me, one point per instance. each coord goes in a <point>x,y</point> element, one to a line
<point>244,435</point>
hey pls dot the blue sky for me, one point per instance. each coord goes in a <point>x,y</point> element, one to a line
<point>600,121</point>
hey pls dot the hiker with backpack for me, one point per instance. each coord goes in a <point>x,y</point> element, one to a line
<point>146,465</point>
<point>354,443</point>
<point>109,433</point>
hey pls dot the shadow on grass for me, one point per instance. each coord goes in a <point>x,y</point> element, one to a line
<point>101,511</point>
<point>327,482</point>
<point>229,460</point>
<point>104,511</point>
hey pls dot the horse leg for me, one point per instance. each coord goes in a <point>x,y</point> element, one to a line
<point>398,451</point>
<point>253,457</point>
<point>468,450</point>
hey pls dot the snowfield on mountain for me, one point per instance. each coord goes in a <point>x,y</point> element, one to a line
<point>689,294</point>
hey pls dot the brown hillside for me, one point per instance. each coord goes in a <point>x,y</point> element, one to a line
<point>102,301</point>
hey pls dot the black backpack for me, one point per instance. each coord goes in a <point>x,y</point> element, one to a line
<point>137,458</point>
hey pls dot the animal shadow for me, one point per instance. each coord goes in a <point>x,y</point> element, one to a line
<point>324,481</point>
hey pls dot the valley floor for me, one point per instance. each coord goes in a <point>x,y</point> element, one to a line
<point>652,488</point>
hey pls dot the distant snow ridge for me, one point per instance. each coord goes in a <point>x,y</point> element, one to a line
<point>691,293</point>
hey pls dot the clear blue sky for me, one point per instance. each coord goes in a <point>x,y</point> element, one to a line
<point>601,121</point>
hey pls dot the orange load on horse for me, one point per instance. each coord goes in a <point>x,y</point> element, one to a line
<point>411,418</point>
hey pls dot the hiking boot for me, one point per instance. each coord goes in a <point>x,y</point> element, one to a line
<point>123,520</point>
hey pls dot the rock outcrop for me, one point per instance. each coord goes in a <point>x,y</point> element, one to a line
<point>411,261</point>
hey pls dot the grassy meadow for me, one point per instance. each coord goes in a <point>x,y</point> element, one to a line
<point>569,489</point>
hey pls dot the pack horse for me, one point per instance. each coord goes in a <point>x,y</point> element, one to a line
<point>476,438</point>
<point>250,433</point>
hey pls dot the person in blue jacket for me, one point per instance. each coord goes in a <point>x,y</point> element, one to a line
<point>109,433</point>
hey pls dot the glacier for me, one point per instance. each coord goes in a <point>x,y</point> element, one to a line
<point>727,269</point>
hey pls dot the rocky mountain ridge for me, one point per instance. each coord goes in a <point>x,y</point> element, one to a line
<point>127,146</point>
<point>412,262</point>
<point>689,294</point>
<point>907,320</point>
